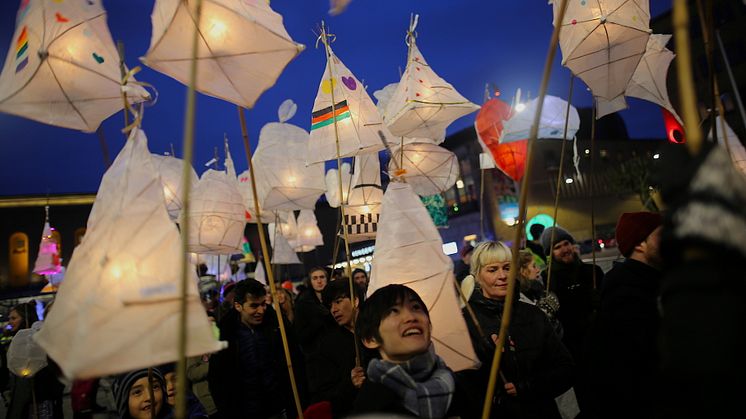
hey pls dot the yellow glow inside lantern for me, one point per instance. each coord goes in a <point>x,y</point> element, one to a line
<point>121,268</point>
<point>217,30</point>
<point>25,372</point>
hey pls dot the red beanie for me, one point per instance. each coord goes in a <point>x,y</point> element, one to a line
<point>633,228</point>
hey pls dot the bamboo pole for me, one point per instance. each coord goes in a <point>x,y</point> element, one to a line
<point>705,24</point>
<point>265,255</point>
<point>559,185</point>
<point>342,204</point>
<point>188,150</point>
<point>507,308</point>
<point>688,95</point>
<point>590,190</point>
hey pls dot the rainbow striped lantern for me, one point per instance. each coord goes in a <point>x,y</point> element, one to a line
<point>62,67</point>
<point>48,261</point>
<point>343,112</point>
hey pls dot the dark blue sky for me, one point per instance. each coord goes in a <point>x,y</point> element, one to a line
<point>467,42</point>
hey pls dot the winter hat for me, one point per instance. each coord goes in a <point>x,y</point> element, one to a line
<point>560,235</point>
<point>124,382</point>
<point>633,228</point>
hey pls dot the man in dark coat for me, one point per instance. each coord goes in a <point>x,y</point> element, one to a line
<point>332,374</point>
<point>574,284</point>
<point>250,377</point>
<point>623,352</point>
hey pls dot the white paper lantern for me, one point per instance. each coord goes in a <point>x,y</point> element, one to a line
<point>125,273</point>
<point>63,68</point>
<point>242,51</point>
<point>284,182</point>
<point>332,185</point>
<point>170,169</point>
<point>383,97</point>
<point>48,261</point>
<point>26,357</point>
<point>244,187</point>
<point>363,206</point>
<point>217,213</point>
<point>282,252</point>
<point>429,168</point>
<point>409,251</point>
<point>423,104</point>
<point>309,235</point>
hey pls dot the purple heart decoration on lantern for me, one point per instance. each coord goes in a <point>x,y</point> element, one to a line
<point>349,82</point>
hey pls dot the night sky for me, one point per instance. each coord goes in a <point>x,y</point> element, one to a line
<point>467,42</point>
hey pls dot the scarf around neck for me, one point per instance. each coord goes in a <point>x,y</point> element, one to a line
<point>424,383</point>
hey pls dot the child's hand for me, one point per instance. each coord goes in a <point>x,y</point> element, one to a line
<point>358,377</point>
<point>510,389</point>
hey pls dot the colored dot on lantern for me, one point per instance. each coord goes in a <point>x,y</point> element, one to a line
<point>574,22</point>
<point>417,68</point>
<point>417,94</point>
<point>582,2</point>
<point>327,86</point>
<point>421,81</point>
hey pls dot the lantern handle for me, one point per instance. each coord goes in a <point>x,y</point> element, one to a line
<point>409,39</point>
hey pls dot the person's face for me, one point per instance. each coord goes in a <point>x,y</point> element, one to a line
<point>493,279</point>
<point>140,404</point>
<point>343,311</point>
<point>530,271</point>
<point>318,280</point>
<point>405,332</point>
<point>361,279</point>
<point>281,297</point>
<point>170,388</point>
<point>14,320</point>
<point>563,252</point>
<point>252,310</point>
<point>652,247</point>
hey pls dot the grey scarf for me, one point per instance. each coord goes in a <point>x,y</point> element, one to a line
<point>424,383</point>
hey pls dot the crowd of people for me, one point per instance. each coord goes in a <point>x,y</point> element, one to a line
<point>581,343</point>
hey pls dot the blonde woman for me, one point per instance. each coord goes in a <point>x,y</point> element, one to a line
<point>536,367</point>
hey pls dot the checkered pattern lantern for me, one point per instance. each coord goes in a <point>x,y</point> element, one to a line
<point>363,206</point>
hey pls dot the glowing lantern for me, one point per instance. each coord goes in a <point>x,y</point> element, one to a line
<point>423,104</point>
<point>116,279</point>
<point>63,68</point>
<point>409,251</point>
<point>429,168</point>
<point>674,129</point>
<point>729,141</point>
<point>363,206</point>
<point>248,255</point>
<point>511,158</point>
<point>169,168</point>
<point>551,124</point>
<point>489,121</point>
<point>243,46</point>
<point>48,261</point>
<point>217,212</point>
<point>284,182</point>
<point>383,97</point>
<point>602,42</point>
<point>332,185</point>
<point>282,252</point>
<point>244,188</point>
<point>343,111</point>
<point>309,236</point>
<point>26,357</point>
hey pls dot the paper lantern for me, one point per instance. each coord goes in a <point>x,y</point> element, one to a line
<point>423,104</point>
<point>551,124</point>
<point>48,261</point>
<point>674,130</point>
<point>511,158</point>
<point>62,67</point>
<point>248,255</point>
<point>242,50</point>
<point>244,188</point>
<point>409,251</point>
<point>332,185</point>
<point>284,182</point>
<point>308,235</point>
<point>350,117</point>
<point>119,276</point>
<point>282,252</point>
<point>170,170</point>
<point>602,42</point>
<point>217,213</point>
<point>26,357</point>
<point>429,168</point>
<point>489,121</point>
<point>363,206</point>
<point>383,97</point>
